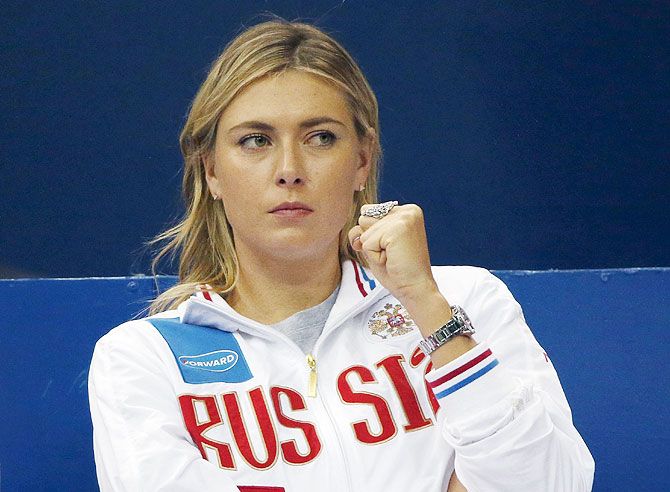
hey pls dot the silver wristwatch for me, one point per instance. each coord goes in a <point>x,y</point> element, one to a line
<point>459,324</point>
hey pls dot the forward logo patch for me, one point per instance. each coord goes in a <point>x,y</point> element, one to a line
<point>203,354</point>
<point>218,361</point>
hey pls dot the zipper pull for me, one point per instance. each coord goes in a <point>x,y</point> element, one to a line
<point>311,362</point>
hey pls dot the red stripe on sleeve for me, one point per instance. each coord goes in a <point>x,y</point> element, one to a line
<point>259,488</point>
<point>462,369</point>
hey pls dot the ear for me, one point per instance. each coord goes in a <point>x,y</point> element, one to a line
<point>365,153</point>
<point>208,162</point>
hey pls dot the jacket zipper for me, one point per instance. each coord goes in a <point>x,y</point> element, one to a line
<point>311,387</point>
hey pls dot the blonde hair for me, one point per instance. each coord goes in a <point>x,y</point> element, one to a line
<point>203,238</point>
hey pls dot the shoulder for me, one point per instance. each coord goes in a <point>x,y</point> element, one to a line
<point>131,355</point>
<point>134,336</point>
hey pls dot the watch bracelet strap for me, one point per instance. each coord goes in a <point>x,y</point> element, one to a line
<point>446,332</point>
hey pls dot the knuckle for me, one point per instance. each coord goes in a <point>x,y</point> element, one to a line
<point>413,215</point>
<point>415,209</point>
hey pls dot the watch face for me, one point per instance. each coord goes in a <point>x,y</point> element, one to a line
<point>462,319</point>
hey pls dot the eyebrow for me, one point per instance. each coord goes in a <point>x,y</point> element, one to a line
<point>259,125</point>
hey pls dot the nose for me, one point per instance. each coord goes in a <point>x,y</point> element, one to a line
<point>290,168</point>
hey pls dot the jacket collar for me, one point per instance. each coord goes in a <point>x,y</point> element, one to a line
<point>206,308</point>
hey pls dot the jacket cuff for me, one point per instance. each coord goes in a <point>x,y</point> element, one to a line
<point>470,384</point>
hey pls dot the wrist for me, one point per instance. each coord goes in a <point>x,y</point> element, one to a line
<point>417,293</point>
<point>429,311</point>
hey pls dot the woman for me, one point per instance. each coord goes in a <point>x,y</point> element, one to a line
<point>300,362</point>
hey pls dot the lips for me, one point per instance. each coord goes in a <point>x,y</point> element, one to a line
<point>291,206</point>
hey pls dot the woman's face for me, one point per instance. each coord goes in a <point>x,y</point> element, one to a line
<point>288,138</point>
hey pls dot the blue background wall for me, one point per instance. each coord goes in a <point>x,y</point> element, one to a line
<point>533,135</point>
<point>606,332</point>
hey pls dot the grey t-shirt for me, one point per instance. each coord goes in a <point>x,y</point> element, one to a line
<point>304,327</point>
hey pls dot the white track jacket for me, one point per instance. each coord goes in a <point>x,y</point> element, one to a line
<point>201,398</point>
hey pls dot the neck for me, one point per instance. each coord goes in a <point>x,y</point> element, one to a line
<point>271,289</point>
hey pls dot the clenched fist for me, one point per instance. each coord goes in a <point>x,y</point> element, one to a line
<point>396,249</point>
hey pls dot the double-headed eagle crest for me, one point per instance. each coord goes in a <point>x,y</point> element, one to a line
<point>392,321</point>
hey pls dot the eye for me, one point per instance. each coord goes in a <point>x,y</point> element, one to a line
<point>254,141</point>
<point>322,139</point>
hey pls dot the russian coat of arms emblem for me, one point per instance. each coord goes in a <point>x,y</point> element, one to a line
<point>392,321</point>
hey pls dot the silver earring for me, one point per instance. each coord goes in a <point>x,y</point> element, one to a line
<point>215,196</point>
<point>361,188</point>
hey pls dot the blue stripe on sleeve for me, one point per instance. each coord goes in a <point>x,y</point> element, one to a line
<point>467,380</point>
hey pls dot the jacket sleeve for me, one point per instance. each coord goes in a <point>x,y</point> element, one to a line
<point>139,438</point>
<point>502,407</point>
